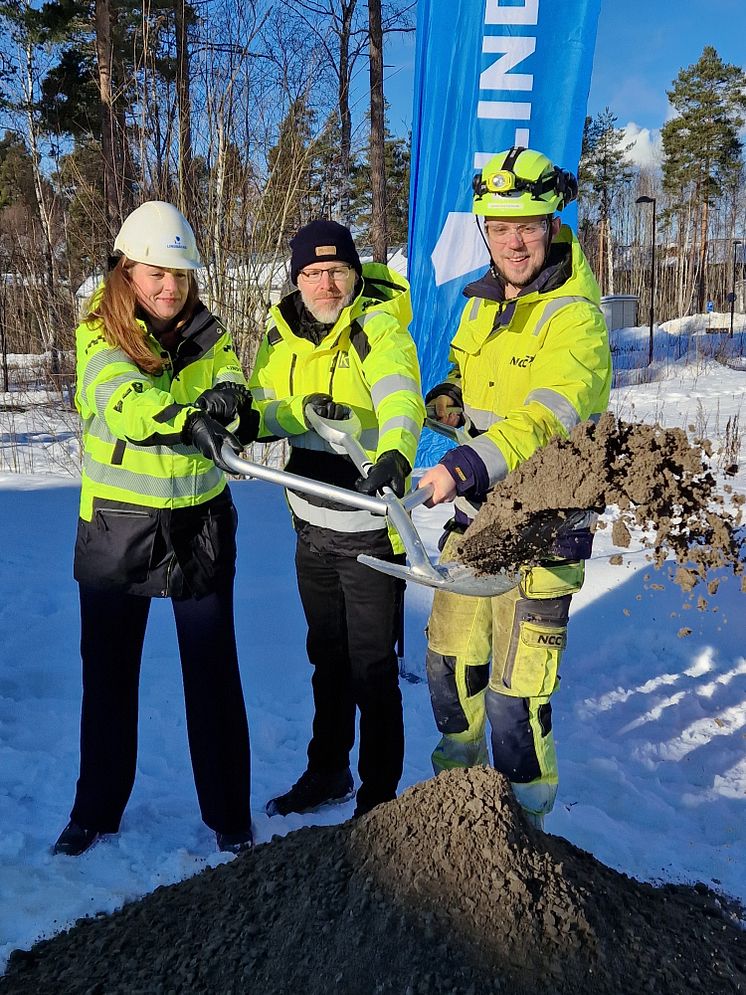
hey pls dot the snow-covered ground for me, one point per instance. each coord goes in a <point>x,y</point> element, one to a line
<point>650,726</point>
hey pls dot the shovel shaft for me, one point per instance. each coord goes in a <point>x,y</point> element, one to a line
<point>397,512</point>
<point>365,502</point>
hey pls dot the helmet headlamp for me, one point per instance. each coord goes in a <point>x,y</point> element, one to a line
<point>501,182</point>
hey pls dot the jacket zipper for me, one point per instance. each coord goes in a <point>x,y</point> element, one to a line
<point>332,372</point>
<point>164,592</point>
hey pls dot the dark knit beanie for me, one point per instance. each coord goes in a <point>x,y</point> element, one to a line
<point>322,242</point>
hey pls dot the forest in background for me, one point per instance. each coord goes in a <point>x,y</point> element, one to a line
<point>257,117</point>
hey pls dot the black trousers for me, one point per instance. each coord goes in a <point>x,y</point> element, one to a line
<point>352,613</point>
<point>112,635</point>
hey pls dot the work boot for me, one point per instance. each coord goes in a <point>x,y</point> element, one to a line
<point>535,819</point>
<point>235,842</point>
<point>311,791</point>
<point>455,754</point>
<point>74,840</point>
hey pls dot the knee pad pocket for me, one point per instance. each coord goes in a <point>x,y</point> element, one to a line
<point>476,678</point>
<point>544,717</point>
<point>513,747</point>
<point>441,679</point>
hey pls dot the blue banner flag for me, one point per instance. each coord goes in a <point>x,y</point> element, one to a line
<point>488,75</point>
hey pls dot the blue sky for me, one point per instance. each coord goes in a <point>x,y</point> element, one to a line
<point>641,46</point>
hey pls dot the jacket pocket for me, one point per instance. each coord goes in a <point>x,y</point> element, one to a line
<point>204,541</point>
<point>553,580</point>
<point>115,549</point>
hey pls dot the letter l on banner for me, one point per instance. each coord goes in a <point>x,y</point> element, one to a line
<point>487,76</point>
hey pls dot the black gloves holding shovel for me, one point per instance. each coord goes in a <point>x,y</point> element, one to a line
<point>219,406</point>
<point>326,407</point>
<point>208,435</point>
<point>391,469</point>
<point>227,401</point>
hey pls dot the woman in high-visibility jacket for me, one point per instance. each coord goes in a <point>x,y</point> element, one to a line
<point>157,382</point>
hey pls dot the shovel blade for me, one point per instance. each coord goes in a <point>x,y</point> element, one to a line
<point>453,577</point>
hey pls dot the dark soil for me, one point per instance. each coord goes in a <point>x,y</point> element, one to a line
<point>445,890</point>
<point>655,476</point>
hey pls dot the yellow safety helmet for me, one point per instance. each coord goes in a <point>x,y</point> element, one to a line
<point>522,183</point>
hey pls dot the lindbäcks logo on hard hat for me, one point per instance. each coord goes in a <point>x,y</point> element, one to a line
<point>176,244</point>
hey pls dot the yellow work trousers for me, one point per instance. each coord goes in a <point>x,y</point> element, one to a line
<point>498,659</point>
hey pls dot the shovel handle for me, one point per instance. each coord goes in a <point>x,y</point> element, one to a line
<point>340,435</point>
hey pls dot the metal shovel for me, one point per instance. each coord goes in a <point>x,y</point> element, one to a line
<point>455,577</point>
<point>342,436</point>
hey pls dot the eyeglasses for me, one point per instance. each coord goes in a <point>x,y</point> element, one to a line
<point>339,274</point>
<point>530,232</point>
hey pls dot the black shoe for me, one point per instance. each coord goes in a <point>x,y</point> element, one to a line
<point>363,807</point>
<point>235,842</point>
<point>74,840</point>
<point>311,791</point>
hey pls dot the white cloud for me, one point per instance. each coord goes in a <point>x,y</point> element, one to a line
<point>646,145</point>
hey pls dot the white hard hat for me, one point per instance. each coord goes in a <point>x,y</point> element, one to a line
<point>158,234</point>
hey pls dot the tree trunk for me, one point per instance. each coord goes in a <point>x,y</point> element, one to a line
<point>46,310</point>
<point>609,259</point>
<point>343,104</point>
<point>105,58</point>
<point>702,290</point>
<point>378,235</point>
<point>185,191</point>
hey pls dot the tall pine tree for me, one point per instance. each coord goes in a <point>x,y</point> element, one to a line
<point>604,170</point>
<point>703,150</point>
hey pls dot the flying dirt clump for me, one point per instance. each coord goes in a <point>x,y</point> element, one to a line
<point>655,476</point>
<point>444,890</point>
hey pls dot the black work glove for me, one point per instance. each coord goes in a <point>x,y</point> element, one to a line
<point>391,469</point>
<point>325,406</point>
<point>208,435</point>
<point>225,401</point>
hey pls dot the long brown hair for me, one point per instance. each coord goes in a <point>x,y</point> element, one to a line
<point>115,308</point>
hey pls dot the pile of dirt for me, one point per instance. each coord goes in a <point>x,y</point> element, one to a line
<point>445,890</point>
<point>656,477</point>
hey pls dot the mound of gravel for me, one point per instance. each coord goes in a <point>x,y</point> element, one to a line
<point>655,476</point>
<point>445,890</point>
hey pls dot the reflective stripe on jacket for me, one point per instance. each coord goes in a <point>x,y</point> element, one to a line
<point>368,361</point>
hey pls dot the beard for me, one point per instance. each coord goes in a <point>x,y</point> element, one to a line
<point>327,312</point>
<point>527,278</point>
<point>524,281</point>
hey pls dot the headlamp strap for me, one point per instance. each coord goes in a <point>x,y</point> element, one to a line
<point>511,157</point>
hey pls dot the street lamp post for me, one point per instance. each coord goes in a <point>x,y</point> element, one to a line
<point>651,200</point>
<point>736,241</point>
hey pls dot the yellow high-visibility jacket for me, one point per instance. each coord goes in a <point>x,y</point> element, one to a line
<point>366,360</point>
<point>156,517</point>
<point>132,420</point>
<point>534,366</point>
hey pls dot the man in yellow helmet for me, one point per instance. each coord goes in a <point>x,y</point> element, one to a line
<point>530,360</point>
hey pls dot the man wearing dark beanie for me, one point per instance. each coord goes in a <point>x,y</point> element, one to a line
<point>322,241</point>
<point>340,343</point>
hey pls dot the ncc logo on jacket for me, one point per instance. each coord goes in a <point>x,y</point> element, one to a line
<point>524,362</point>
